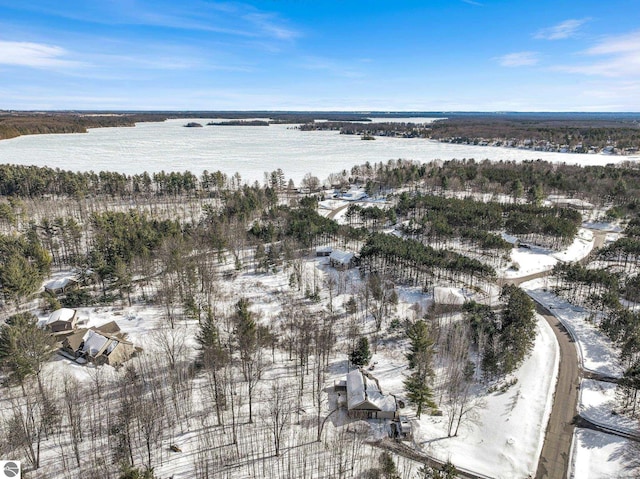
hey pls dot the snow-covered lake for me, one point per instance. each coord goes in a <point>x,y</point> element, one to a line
<point>251,151</point>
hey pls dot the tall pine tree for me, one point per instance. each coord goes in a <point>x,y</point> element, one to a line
<point>420,357</point>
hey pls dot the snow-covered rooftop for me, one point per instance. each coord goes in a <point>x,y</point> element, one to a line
<point>93,342</point>
<point>364,391</point>
<point>63,314</point>
<point>343,257</point>
<point>59,283</point>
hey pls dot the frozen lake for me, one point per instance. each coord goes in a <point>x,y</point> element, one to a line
<point>251,151</point>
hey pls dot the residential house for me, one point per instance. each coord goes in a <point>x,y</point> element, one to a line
<point>61,285</point>
<point>365,399</point>
<point>341,259</point>
<point>63,320</point>
<point>100,345</point>
<point>323,251</point>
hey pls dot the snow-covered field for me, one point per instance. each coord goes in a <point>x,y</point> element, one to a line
<point>537,260</point>
<point>506,426</point>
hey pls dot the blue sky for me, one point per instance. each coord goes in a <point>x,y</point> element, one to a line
<point>429,55</point>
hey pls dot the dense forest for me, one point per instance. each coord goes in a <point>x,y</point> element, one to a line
<point>567,134</point>
<point>17,124</point>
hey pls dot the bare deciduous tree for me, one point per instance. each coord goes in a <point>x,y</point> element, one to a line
<point>278,413</point>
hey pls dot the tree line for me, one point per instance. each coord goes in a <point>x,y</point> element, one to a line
<point>533,180</point>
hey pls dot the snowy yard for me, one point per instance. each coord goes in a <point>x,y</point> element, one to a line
<point>600,456</point>
<point>598,405</point>
<point>535,259</point>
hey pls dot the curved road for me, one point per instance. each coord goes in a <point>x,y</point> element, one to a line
<point>556,450</point>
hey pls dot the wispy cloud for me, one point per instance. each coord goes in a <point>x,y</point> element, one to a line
<point>518,59</point>
<point>473,2</point>
<point>619,56</point>
<point>562,30</point>
<point>35,55</point>
<point>619,44</point>
<point>226,18</point>
<point>271,26</point>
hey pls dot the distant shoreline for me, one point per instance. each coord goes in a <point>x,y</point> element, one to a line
<point>535,132</point>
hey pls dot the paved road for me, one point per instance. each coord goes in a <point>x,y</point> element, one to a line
<point>555,456</point>
<point>556,450</point>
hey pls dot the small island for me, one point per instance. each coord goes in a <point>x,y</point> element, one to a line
<point>367,136</point>
<point>239,123</point>
<point>193,124</point>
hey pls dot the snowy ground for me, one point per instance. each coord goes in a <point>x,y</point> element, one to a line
<point>537,259</point>
<point>509,426</point>
<point>597,352</point>
<point>599,456</point>
<point>595,455</point>
<point>598,403</point>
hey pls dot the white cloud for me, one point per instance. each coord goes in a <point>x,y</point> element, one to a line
<point>562,30</point>
<point>35,55</point>
<point>620,57</point>
<point>518,59</point>
<point>627,43</point>
<point>473,2</point>
<point>269,25</point>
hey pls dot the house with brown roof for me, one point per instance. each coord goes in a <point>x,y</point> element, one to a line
<point>100,345</point>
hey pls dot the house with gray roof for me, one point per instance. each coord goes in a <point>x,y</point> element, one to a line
<point>365,399</point>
